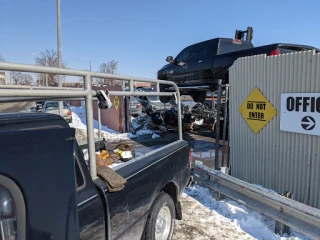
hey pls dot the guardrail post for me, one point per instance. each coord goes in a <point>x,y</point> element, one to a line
<point>216,162</point>
<point>281,228</point>
<point>90,127</point>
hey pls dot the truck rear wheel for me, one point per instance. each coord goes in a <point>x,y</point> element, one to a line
<point>199,96</point>
<point>160,222</point>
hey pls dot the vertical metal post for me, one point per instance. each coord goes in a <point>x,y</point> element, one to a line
<point>216,162</point>
<point>46,73</point>
<point>90,127</point>
<point>131,85</point>
<point>225,119</point>
<point>228,150</point>
<point>99,121</point>
<point>59,52</point>
<point>178,102</point>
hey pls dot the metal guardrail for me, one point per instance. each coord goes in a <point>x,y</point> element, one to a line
<point>299,216</point>
<point>31,93</point>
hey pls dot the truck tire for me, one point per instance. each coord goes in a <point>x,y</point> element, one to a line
<point>164,99</point>
<point>161,219</point>
<point>199,96</point>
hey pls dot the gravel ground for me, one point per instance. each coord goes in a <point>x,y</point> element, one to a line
<point>13,107</point>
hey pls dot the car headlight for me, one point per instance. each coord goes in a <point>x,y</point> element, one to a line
<point>8,222</point>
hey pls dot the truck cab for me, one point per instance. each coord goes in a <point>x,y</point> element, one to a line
<point>198,67</point>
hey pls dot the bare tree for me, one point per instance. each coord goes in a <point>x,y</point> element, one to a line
<point>49,58</point>
<point>19,78</point>
<point>16,78</point>
<point>27,79</point>
<point>109,67</point>
<point>2,59</point>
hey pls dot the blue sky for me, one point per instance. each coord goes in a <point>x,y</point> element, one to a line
<point>141,34</point>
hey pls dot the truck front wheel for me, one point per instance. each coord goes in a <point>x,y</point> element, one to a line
<point>160,222</point>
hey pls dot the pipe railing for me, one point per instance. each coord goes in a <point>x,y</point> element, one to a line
<point>32,93</point>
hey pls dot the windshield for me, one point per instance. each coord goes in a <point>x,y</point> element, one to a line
<point>55,105</point>
<point>52,105</point>
<point>153,98</point>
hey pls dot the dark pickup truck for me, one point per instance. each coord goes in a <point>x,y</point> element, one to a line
<point>46,191</point>
<point>198,67</point>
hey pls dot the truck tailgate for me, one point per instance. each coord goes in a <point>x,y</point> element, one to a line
<point>41,163</point>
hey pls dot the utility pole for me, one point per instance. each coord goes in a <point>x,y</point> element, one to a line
<point>10,76</point>
<point>90,65</point>
<point>59,51</point>
<point>46,73</point>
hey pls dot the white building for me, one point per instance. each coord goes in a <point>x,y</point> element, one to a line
<point>2,78</point>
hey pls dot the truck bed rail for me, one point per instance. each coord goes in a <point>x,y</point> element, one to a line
<point>9,93</point>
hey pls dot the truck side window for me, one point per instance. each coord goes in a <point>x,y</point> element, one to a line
<point>65,106</point>
<point>229,46</point>
<point>198,51</point>
<point>79,175</point>
<point>184,55</point>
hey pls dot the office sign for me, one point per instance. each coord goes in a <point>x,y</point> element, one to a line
<point>300,113</point>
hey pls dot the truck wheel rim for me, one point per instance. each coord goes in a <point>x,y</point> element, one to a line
<point>163,224</point>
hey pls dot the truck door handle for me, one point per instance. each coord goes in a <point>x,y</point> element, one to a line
<point>200,61</point>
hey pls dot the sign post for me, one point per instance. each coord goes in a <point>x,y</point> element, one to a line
<point>300,113</point>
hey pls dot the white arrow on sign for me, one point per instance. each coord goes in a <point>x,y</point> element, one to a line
<point>308,123</point>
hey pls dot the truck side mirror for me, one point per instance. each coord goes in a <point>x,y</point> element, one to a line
<point>169,59</point>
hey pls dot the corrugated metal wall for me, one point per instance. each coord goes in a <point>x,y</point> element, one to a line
<point>279,160</point>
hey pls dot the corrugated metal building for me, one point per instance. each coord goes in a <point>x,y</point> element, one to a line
<point>283,161</point>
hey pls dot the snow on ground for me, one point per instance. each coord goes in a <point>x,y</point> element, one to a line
<point>206,154</point>
<point>79,122</point>
<point>206,218</point>
<point>155,136</point>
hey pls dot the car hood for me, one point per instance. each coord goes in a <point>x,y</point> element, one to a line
<point>165,67</point>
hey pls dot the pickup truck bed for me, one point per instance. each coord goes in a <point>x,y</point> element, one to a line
<point>126,214</point>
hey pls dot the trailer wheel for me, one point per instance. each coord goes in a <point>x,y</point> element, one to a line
<point>160,222</point>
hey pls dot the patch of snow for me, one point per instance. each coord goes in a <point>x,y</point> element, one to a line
<point>117,163</point>
<point>155,136</point>
<point>203,154</point>
<point>199,122</point>
<point>79,122</point>
<point>269,190</point>
<point>227,219</point>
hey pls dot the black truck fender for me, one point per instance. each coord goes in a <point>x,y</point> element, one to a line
<point>172,189</point>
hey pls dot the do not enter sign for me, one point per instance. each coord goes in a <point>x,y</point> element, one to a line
<point>257,110</point>
<point>300,113</point>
